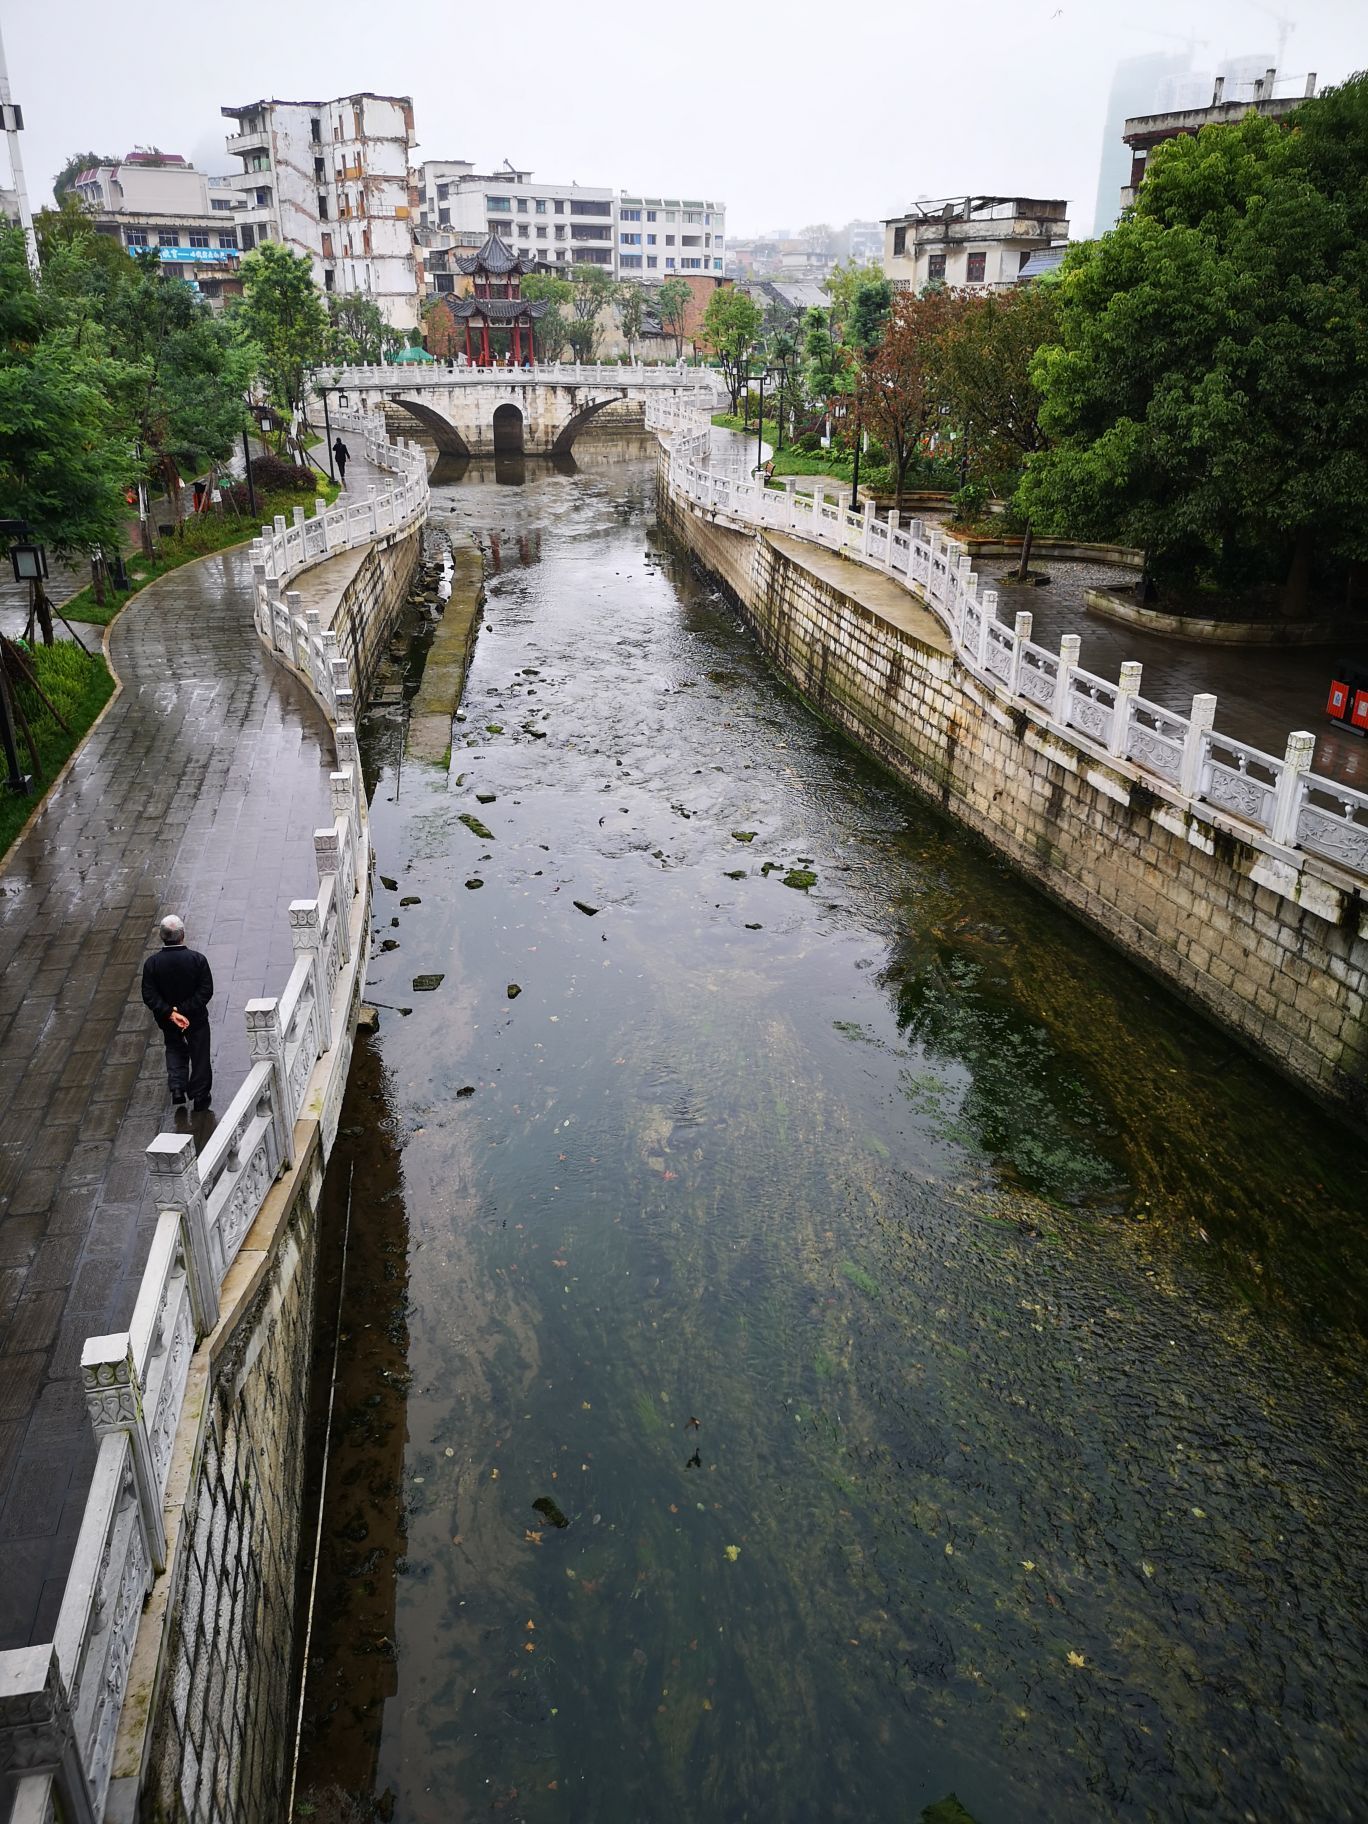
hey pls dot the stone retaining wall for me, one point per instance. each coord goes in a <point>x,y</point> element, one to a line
<point>1277,953</point>
<point>369,605</point>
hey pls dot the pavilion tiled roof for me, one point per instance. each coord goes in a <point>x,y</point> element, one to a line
<point>497,310</point>
<point>495,257</point>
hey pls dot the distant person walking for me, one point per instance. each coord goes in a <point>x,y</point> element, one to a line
<point>177,988</point>
<point>341,456</point>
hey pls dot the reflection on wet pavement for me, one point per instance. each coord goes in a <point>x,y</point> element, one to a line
<point>944,1350</point>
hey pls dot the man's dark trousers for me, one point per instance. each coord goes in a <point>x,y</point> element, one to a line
<point>188,1070</point>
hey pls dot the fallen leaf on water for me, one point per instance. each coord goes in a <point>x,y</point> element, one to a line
<point>553,1785</point>
<point>673,1508</point>
<point>1028,1564</point>
<point>532,1538</point>
<point>529,1646</point>
<point>1147,1567</point>
<point>733,1552</point>
<point>585,1406</point>
<point>1075,1659</point>
<point>1198,1513</point>
<point>531,1627</point>
<point>707,1703</point>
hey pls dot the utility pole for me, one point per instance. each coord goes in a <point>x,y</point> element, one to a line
<point>13,119</point>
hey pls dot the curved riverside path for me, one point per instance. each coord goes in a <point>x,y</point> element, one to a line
<point>199,791</point>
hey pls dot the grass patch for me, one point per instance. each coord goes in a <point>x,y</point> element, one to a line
<point>79,685</point>
<point>199,536</point>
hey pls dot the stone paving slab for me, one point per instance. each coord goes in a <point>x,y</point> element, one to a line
<point>198,792</point>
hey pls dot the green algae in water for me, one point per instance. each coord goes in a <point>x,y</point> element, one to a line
<point>476,828</point>
<point>744,835</point>
<point>549,1511</point>
<point>859,1277</point>
<point>801,878</point>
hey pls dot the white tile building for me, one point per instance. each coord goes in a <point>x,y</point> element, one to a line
<point>632,236</point>
<point>155,202</point>
<point>975,243</point>
<point>330,179</point>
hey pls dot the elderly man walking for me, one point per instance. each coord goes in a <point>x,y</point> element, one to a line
<point>177,987</point>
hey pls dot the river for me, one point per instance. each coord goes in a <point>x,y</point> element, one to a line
<point>821,1332</point>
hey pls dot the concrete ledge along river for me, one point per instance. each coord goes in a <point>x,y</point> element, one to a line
<point>821,1332</point>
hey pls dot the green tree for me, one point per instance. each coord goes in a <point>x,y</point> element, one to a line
<point>631,309</point>
<point>869,314</point>
<point>990,390</point>
<point>672,303</point>
<point>592,290</point>
<point>281,316</point>
<point>1207,395</point>
<point>358,334</point>
<point>186,375</point>
<point>730,330</point>
<point>550,332</point>
<point>64,458</point>
<point>843,285</point>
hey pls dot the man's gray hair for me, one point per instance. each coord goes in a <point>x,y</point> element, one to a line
<point>172,929</point>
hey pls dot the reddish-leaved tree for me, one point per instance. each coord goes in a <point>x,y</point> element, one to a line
<point>900,392</point>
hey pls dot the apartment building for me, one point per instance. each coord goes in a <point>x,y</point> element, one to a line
<point>157,202</point>
<point>974,243</point>
<point>564,225</point>
<point>664,237</point>
<point>329,179</point>
<point>1232,97</point>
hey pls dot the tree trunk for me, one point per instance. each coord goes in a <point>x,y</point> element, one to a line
<point>97,577</point>
<point>1297,588</point>
<point>43,610</point>
<point>1024,567</point>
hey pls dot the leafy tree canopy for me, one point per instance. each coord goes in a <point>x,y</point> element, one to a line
<point>1208,391</point>
<point>730,329</point>
<point>281,316</point>
<point>672,302</point>
<point>72,169</point>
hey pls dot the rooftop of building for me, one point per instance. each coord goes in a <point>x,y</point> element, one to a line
<point>982,208</point>
<point>280,101</point>
<point>1230,102</point>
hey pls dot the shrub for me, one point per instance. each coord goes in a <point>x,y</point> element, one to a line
<point>808,442</point>
<point>271,473</point>
<point>970,503</point>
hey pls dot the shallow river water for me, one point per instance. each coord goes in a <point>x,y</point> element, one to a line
<point>813,1349</point>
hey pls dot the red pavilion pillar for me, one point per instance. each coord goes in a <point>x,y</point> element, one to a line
<point>484,334</point>
<point>517,344</point>
<point>531,346</point>
<point>467,330</point>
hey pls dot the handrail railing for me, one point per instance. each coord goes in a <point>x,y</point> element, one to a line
<point>60,1702</point>
<point>402,377</point>
<point>1276,798</point>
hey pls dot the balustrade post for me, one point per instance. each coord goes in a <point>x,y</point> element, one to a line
<point>346,705</point>
<point>261,593</point>
<point>1194,746</point>
<point>38,1731</point>
<point>1021,627</point>
<point>278,525</point>
<point>1127,689</point>
<point>1069,648</point>
<point>266,1045</point>
<point>1301,749</point>
<point>867,530</point>
<point>306,935</point>
<point>328,855</point>
<point>174,1171</point>
<point>987,607</point>
<point>892,528</point>
<point>114,1401</point>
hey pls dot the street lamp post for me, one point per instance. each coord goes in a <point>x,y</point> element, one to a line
<point>327,433</point>
<point>760,423</point>
<point>855,470</point>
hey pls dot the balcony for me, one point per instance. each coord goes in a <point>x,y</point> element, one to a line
<point>240,144</point>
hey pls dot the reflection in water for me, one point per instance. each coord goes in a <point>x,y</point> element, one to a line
<point>944,1350</point>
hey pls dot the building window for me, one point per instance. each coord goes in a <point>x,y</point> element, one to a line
<point>631,215</point>
<point>692,265</point>
<point>900,242</point>
<point>935,265</point>
<point>669,259</point>
<point>560,232</point>
<point>579,206</point>
<point>322,207</point>
<point>522,205</point>
<point>329,279</point>
<point>650,215</point>
<point>219,202</point>
<point>444,218</point>
<point>327,247</point>
<point>541,234</point>
<point>669,242</point>
<point>136,237</point>
<point>559,208</point>
<point>263,199</point>
<point>443,192</point>
<point>541,205</point>
<point>717,265</point>
<point>446,281</point>
<point>1025,255</point>
<point>168,237</point>
<point>630,259</point>
<point>499,203</point>
<point>630,240</point>
<point>650,259</point>
<point>974,270</point>
<point>669,215</point>
<point>227,240</point>
<point>198,238</point>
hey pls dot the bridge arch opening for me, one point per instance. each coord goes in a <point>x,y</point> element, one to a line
<point>508,431</point>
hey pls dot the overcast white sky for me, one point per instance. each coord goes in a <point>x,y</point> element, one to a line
<point>788,114</point>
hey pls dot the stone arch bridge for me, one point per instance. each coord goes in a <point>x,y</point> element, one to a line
<point>480,411</point>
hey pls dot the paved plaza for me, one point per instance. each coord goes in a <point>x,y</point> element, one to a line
<point>199,792</point>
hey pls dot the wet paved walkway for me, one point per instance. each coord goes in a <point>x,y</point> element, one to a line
<point>199,791</point>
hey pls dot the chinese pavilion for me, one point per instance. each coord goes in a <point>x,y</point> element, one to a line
<point>496,303</point>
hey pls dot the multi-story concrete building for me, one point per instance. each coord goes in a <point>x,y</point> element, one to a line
<point>975,243</point>
<point>632,236</point>
<point>671,237</point>
<point>329,179</point>
<point>1231,100</point>
<point>157,202</point>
